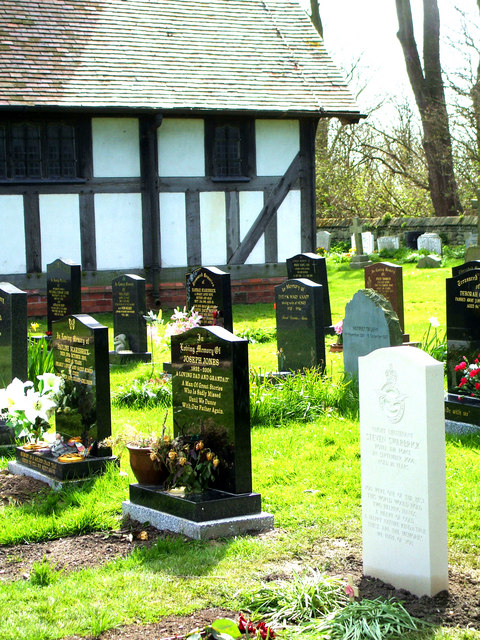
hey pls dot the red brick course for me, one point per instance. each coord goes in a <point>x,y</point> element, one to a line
<point>172,294</point>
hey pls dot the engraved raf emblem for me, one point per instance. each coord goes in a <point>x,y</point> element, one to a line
<point>71,324</point>
<point>391,401</point>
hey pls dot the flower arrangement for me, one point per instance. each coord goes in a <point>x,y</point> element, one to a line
<point>182,321</point>
<point>190,463</point>
<point>338,328</point>
<point>470,377</point>
<point>28,411</point>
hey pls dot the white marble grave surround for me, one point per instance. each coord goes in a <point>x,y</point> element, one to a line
<point>431,242</point>
<point>402,438</point>
<point>224,528</point>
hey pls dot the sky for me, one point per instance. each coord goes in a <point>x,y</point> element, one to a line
<point>366,31</point>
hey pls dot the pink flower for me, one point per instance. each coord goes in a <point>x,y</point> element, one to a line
<point>338,328</point>
<point>349,591</point>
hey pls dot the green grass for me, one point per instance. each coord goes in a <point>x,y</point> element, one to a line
<point>306,467</point>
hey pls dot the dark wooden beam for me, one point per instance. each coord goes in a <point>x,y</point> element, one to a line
<point>232,206</point>
<point>271,236</point>
<point>194,240</point>
<point>87,232</point>
<point>33,241</point>
<point>307,184</point>
<point>275,199</point>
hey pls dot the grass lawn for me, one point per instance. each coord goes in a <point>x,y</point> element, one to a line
<point>307,471</point>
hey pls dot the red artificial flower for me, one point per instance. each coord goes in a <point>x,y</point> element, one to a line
<point>49,333</point>
<point>462,382</point>
<point>473,395</point>
<point>265,632</point>
<point>245,625</point>
<point>476,361</point>
<point>474,372</point>
<point>461,366</point>
<point>477,386</point>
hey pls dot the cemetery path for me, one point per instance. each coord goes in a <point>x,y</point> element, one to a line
<point>459,607</point>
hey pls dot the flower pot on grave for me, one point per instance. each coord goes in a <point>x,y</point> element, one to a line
<point>335,347</point>
<point>146,470</point>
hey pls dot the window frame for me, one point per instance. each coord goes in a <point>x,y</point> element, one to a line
<point>247,147</point>
<point>43,123</point>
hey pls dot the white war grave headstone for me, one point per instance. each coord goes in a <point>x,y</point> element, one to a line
<point>402,440</point>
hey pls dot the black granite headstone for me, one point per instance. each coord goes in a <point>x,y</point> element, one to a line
<point>411,238</point>
<point>210,394</point>
<point>80,352</point>
<point>129,309</point>
<point>463,339</point>
<point>13,334</point>
<point>300,325</point>
<point>312,267</point>
<point>466,266</point>
<point>64,295</point>
<point>209,292</point>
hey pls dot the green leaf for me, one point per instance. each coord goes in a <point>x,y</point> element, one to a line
<point>225,625</point>
<point>196,635</point>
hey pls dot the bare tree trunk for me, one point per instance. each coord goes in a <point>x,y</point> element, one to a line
<point>427,86</point>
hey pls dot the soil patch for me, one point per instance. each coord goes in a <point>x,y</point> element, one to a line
<point>460,606</point>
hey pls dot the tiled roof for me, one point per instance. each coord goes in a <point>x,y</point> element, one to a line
<point>239,55</point>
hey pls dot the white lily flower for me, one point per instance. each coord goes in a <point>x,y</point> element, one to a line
<point>13,397</point>
<point>434,321</point>
<point>51,382</point>
<point>37,406</point>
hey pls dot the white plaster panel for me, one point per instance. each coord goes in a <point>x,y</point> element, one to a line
<point>289,240</point>
<point>12,257</point>
<point>173,230</point>
<point>277,144</point>
<point>118,227</point>
<point>251,203</point>
<point>213,228</point>
<point>116,147</point>
<point>181,147</point>
<point>60,227</point>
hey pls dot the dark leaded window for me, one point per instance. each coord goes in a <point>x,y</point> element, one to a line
<point>229,148</point>
<point>37,150</point>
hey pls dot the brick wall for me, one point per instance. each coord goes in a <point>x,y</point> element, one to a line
<point>97,299</point>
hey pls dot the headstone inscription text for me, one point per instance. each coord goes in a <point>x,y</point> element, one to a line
<point>312,267</point>
<point>80,353</point>
<point>402,437</point>
<point>209,292</point>
<point>210,394</point>
<point>300,325</point>
<point>63,290</point>
<point>129,309</point>
<point>13,333</point>
<point>387,279</point>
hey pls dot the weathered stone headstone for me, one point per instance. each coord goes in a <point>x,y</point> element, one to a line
<point>463,339</point>
<point>64,296</point>
<point>471,239</point>
<point>472,253</point>
<point>391,243</point>
<point>13,334</point>
<point>210,396</point>
<point>312,267</point>
<point>209,292</point>
<point>300,325</point>
<point>359,260</point>
<point>402,437</point>
<point>429,262</point>
<point>466,266</point>
<point>431,242</point>
<point>387,278</point>
<point>368,242</point>
<point>80,353</point>
<point>370,323</point>
<point>324,240</point>
<point>129,309</point>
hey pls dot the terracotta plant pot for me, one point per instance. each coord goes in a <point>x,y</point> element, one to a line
<point>336,347</point>
<point>144,468</point>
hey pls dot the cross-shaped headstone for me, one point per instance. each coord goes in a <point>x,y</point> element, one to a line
<point>356,231</point>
